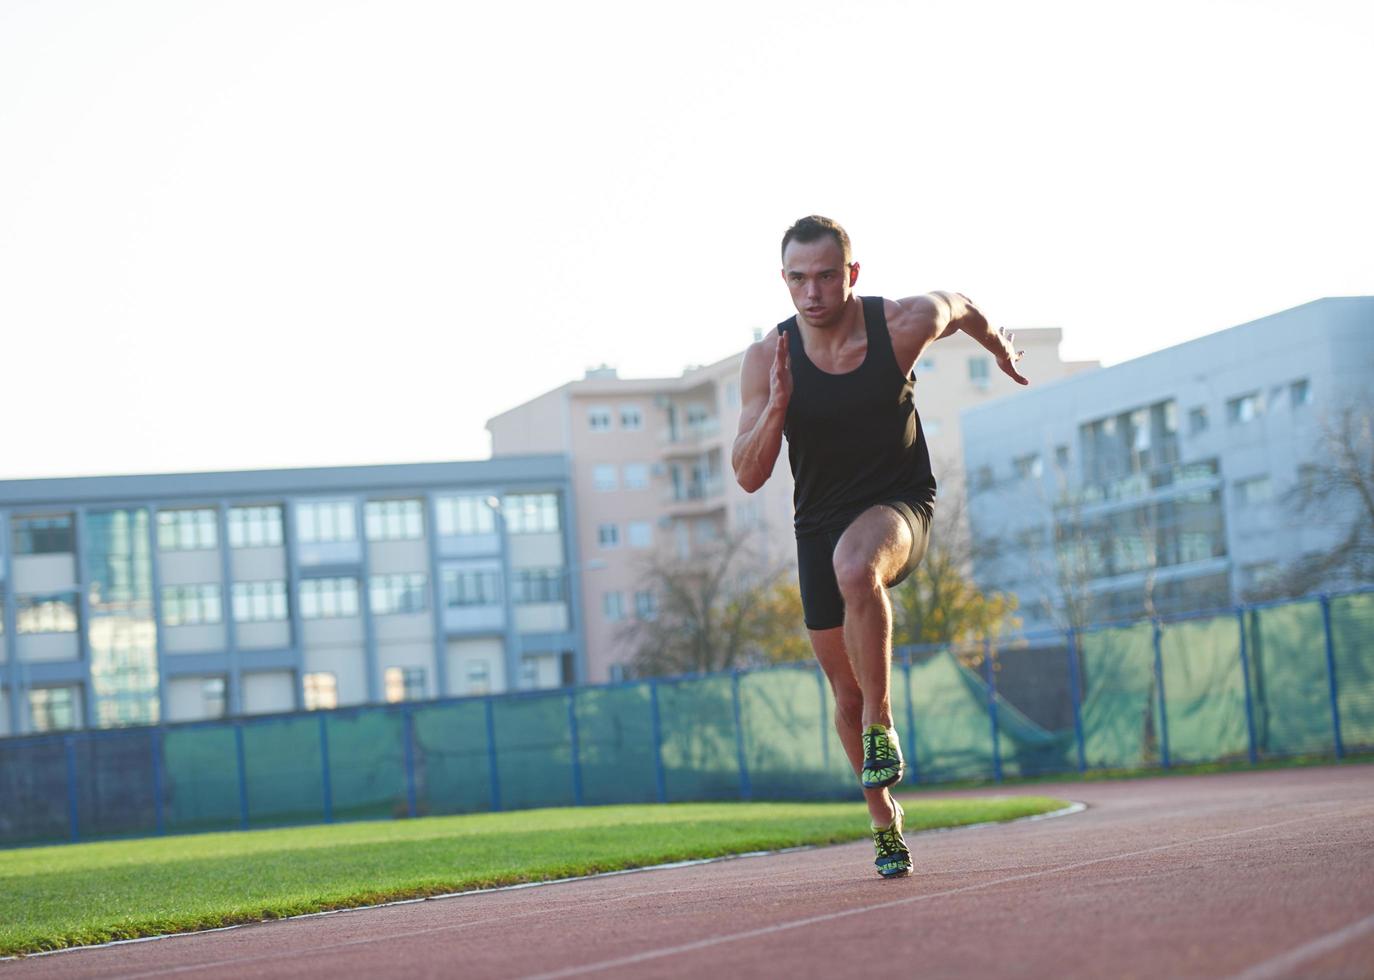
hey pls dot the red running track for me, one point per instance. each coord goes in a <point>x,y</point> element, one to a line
<point>1252,875</point>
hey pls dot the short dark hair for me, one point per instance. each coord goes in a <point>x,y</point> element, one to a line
<point>813,228</point>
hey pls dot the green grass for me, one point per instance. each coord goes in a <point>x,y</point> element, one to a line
<point>77,894</point>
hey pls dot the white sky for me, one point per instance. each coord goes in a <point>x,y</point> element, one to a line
<point>290,233</point>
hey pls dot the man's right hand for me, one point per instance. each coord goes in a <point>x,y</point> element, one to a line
<point>780,377</point>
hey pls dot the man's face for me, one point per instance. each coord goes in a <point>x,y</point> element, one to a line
<point>818,279</point>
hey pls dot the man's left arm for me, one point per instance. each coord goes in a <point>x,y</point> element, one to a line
<point>919,321</point>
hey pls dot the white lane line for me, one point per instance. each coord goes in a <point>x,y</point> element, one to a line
<point>1284,964</point>
<point>710,941</point>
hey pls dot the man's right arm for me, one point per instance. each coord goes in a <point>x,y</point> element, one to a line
<point>765,389</point>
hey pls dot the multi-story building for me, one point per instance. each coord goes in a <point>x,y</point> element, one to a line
<point>1166,484</point>
<point>140,599</point>
<point>651,466</point>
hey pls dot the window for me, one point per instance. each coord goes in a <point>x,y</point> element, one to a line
<point>51,535</point>
<point>403,592</point>
<point>1309,476</point>
<point>321,691</point>
<point>631,418</point>
<point>978,371</point>
<point>608,535</point>
<point>1061,458</point>
<point>471,587</point>
<point>646,605</point>
<point>212,693</point>
<point>254,527</point>
<point>1197,420</point>
<point>613,606</point>
<point>636,476</point>
<point>462,515</point>
<point>603,476</point>
<point>1300,393</point>
<point>1244,409</point>
<point>191,605</point>
<point>259,602</point>
<point>327,598</point>
<point>52,709</point>
<point>1258,575</point>
<point>187,530</point>
<point>639,534</point>
<point>46,614</point>
<point>982,478</point>
<point>326,521</point>
<point>479,677</point>
<point>393,520</point>
<point>531,585</point>
<point>599,419</point>
<point>404,684</point>
<point>925,364</point>
<point>531,513</point>
<point>1028,467</point>
<point>732,394</point>
<point>1255,490</point>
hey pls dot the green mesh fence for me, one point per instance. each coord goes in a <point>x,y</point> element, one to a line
<point>1352,637</point>
<point>701,759</point>
<point>1204,689</point>
<point>786,748</point>
<point>615,737</point>
<point>953,734</point>
<point>1118,694</point>
<point>766,734</point>
<point>533,751</point>
<point>367,772</point>
<point>284,773</point>
<point>453,769</point>
<point>201,779</point>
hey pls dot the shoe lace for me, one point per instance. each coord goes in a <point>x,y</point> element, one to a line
<point>880,745</point>
<point>888,842</point>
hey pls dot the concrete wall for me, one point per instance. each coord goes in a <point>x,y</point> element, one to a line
<point>268,691</point>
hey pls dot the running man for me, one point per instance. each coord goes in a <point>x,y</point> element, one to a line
<point>837,381</point>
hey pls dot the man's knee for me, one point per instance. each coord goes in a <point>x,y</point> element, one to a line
<point>849,709</point>
<point>858,580</point>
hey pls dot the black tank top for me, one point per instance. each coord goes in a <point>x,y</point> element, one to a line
<point>854,440</point>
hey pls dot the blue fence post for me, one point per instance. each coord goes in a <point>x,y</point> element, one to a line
<point>1332,685</point>
<point>156,740</point>
<point>243,774</point>
<point>1249,699</point>
<point>326,782</point>
<point>991,683</point>
<point>825,734</point>
<point>910,724</point>
<point>656,727</point>
<point>1076,693</point>
<point>576,749</point>
<point>491,756</point>
<point>73,807</point>
<point>745,790</point>
<point>408,733</point>
<point>1159,688</point>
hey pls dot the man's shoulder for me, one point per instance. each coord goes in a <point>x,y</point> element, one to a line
<point>911,315</point>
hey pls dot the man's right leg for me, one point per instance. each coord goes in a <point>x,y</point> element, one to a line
<point>849,710</point>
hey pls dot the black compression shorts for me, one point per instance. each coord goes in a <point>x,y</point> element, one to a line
<point>822,605</point>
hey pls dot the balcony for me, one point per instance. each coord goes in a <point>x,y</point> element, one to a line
<point>696,497</point>
<point>691,438</point>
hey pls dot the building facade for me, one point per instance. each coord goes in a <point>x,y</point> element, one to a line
<point>1166,484</point>
<point>652,475</point>
<point>146,599</point>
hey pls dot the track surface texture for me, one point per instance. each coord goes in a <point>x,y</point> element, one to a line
<point>1253,875</point>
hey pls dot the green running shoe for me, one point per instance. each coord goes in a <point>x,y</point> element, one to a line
<point>893,860</point>
<point>882,757</point>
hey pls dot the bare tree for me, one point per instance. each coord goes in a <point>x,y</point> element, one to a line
<point>1338,483</point>
<point>717,609</point>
